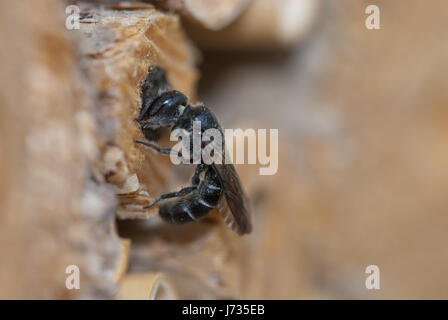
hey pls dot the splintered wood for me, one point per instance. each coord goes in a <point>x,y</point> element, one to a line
<point>119,44</point>
<point>212,14</point>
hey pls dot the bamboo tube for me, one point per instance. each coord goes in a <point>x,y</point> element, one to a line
<point>147,286</point>
<point>123,260</point>
<point>264,25</point>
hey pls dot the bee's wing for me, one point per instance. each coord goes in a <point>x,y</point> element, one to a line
<point>238,219</point>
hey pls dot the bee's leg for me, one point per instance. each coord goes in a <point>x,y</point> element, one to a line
<point>195,178</point>
<point>170,195</point>
<point>161,150</point>
<point>160,123</point>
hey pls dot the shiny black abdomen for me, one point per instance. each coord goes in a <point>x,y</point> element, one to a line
<point>196,204</point>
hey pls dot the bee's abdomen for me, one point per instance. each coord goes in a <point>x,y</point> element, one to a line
<point>195,205</point>
<point>186,209</point>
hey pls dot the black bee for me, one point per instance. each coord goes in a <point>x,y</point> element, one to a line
<point>212,185</point>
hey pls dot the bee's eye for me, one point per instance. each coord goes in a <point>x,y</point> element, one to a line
<point>181,108</point>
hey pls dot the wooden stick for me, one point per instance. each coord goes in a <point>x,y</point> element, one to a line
<point>119,46</point>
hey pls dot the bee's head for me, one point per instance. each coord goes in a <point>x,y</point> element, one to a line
<point>164,110</point>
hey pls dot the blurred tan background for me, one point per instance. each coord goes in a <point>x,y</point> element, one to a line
<point>363,176</point>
